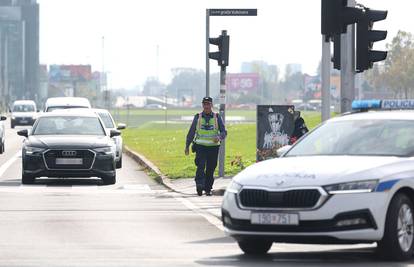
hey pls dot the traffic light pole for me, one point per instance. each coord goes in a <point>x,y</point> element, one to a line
<point>326,77</point>
<point>348,66</point>
<point>207,51</point>
<point>222,152</point>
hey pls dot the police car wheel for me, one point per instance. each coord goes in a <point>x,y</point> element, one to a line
<point>398,241</point>
<point>252,246</point>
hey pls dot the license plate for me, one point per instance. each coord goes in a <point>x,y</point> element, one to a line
<point>24,121</point>
<point>275,218</point>
<point>63,161</point>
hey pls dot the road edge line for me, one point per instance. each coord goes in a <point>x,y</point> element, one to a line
<point>212,219</point>
<point>8,163</point>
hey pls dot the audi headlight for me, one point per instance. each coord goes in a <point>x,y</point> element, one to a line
<point>30,150</point>
<point>352,187</point>
<point>104,150</point>
<point>234,187</point>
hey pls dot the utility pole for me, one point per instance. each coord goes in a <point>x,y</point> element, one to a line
<point>207,51</point>
<point>348,66</point>
<point>326,77</point>
<point>222,152</point>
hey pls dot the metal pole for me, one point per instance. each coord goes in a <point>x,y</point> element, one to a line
<point>326,77</point>
<point>207,50</point>
<point>348,66</point>
<point>222,152</point>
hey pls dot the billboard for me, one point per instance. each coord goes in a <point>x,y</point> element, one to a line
<point>275,125</point>
<point>242,82</point>
<point>68,73</point>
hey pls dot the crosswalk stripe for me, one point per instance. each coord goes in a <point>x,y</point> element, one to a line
<point>79,189</point>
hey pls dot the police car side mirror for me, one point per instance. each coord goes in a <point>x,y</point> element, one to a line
<point>281,151</point>
<point>3,118</point>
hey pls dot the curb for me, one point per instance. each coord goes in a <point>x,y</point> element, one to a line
<point>161,178</point>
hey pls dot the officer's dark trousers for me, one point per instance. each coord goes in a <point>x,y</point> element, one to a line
<point>206,162</point>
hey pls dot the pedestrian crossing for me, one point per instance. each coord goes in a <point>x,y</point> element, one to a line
<point>80,189</point>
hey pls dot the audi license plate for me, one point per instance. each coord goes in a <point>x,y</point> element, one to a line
<point>275,218</point>
<point>72,161</point>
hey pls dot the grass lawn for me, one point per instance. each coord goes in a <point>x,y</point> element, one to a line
<point>164,144</point>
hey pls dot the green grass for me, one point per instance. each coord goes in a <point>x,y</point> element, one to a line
<point>164,144</point>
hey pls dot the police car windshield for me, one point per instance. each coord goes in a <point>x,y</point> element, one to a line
<point>359,138</point>
<point>68,125</point>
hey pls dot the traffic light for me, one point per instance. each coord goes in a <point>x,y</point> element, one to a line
<point>336,59</point>
<point>223,43</point>
<point>365,56</point>
<point>336,16</point>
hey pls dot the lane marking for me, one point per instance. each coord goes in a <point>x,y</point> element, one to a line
<point>206,215</point>
<point>137,187</point>
<point>8,163</point>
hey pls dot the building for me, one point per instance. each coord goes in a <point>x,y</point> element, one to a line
<point>19,50</point>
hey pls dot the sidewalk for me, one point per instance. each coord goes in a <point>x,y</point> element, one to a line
<point>185,185</point>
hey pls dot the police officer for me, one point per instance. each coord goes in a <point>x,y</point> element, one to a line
<point>300,128</point>
<point>206,133</point>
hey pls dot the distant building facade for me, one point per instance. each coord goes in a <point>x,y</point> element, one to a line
<point>19,50</point>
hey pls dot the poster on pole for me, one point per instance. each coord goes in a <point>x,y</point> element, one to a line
<point>275,125</point>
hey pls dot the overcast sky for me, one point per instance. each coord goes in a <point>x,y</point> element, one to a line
<point>284,32</point>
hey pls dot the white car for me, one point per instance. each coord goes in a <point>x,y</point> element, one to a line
<point>23,112</point>
<point>2,133</point>
<point>55,103</point>
<point>109,124</point>
<point>350,180</point>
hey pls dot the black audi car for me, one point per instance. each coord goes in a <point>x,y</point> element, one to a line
<point>68,144</point>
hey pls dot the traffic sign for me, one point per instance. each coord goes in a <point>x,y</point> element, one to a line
<point>233,12</point>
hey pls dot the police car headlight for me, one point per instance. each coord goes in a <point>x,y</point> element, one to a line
<point>234,187</point>
<point>104,150</point>
<point>352,187</point>
<point>30,150</point>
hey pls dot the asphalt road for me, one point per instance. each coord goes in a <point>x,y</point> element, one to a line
<point>136,222</point>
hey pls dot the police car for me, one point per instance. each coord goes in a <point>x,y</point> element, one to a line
<point>350,180</point>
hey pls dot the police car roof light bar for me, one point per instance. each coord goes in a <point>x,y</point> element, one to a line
<point>366,104</point>
<point>386,104</point>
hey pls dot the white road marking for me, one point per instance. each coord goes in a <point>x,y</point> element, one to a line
<point>137,187</point>
<point>209,217</point>
<point>8,163</point>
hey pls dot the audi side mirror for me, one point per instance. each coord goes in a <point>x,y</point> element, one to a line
<point>114,133</point>
<point>24,133</point>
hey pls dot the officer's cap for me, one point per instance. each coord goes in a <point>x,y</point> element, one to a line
<point>207,99</point>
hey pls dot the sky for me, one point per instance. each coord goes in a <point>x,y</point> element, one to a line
<point>124,37</point>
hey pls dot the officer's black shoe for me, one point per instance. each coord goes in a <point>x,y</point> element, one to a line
<point>199,190</point>
<point>208,193</point>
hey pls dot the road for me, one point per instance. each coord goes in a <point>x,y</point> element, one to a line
<point>135,222</point>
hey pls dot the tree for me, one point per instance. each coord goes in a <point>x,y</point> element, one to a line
<point>187,82</point>
<point>153,87</point>
<point>397,72</point>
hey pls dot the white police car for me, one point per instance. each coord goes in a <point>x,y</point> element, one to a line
<point>350,180</point>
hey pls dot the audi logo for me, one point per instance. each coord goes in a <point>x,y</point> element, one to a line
<point>68,153</point>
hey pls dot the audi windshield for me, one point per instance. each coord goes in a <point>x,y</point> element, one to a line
<point>68,125</point>
<point>359,138</point>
